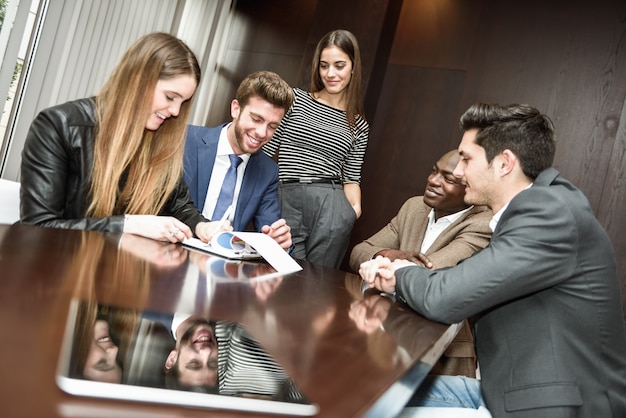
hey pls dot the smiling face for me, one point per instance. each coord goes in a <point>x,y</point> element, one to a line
<point>444,192</point>
<point>253,125</point>
<point>335,70</point>
<point>169,95</point>
<point>195,355</point>
<point>101,364</point>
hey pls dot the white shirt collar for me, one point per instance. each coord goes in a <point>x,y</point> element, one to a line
<point>448,218</point>
<point>436,228</point>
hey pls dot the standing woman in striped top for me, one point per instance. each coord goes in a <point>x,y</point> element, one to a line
<point>321,144</point>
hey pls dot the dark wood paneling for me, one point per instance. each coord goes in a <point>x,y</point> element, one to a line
<point>274,27</point>
<point>415,123</point>
<point>613,202</point>
<point>265,35</point>
<point>436,33</point>
<point>570,63</point>
<point>564,61</point>
<point>379,67</point>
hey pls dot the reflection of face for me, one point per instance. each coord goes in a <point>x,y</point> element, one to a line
<point>475,171</point>
<point>254,124</point>
<point>444,192</point>
<point>169,95</point>
<point>335,69</point>
<point>196,353</point>
<point>101,362</point>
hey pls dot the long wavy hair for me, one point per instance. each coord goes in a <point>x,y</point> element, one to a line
<point>135,170</point>
<point>347,42</point>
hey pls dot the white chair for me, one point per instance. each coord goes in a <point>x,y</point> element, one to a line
<point>9,201</point>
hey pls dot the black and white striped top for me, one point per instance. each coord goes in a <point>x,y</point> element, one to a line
<point>314,140</point>
<point>246,369</point>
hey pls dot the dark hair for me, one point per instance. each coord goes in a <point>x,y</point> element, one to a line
<point>172,381</point>
<point>347,42</point>
<point>268,86</point>
<point>516,127</point>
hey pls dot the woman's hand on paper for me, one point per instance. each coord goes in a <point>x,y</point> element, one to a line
<point>280,232</point>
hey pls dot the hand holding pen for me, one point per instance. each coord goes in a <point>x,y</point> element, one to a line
<point>206,230</point>
<point>224,222</point>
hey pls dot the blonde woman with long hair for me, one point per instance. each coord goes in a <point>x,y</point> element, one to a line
<point>114,162</point>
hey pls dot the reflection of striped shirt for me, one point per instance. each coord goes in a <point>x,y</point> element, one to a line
<point>244,368</point>
<point>315,141</point>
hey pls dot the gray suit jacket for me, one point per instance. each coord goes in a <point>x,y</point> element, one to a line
<point>545,297</point>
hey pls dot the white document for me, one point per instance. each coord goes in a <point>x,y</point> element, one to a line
<point>254,245</point>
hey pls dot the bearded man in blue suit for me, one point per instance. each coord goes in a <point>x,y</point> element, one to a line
<point>262,99</point>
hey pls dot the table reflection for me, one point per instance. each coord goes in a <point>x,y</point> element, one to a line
<point>393,330</point>
<point>303,320</point>
<point>184,349</point>
<point>177,351</point>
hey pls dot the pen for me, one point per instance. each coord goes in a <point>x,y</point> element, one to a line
<point>224,218</point>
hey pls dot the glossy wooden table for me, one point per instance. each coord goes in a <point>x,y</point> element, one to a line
<point>312,322</point>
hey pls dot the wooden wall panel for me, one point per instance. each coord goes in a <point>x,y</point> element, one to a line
<point>436,33</point>
<point>267,35</point>
<point>570,62</point>
<point>564,61</point>
<point>416,117</point>
<point>415,123</point>
<point>611,208</point>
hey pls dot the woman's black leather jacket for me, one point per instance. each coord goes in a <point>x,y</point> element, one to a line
<point>56,169</point>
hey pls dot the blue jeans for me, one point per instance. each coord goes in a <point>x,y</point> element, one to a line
<point>448,391</point>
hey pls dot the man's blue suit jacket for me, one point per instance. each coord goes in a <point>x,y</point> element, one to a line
<point>258,198</point>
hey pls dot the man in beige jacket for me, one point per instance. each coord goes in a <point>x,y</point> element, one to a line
<point>435,230</point>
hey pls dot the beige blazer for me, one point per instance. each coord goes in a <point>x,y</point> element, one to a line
<point>467,235</point>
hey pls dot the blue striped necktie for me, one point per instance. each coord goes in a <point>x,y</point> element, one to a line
<point>225,199</point>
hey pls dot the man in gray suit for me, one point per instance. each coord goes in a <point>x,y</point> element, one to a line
<point>544,295</point>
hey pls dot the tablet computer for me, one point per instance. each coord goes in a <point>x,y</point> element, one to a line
<point>175,358</point>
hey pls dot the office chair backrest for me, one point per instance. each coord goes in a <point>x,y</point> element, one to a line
<point>9,201</point>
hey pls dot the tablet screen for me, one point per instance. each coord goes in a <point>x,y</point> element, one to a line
<point>118,353</point>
